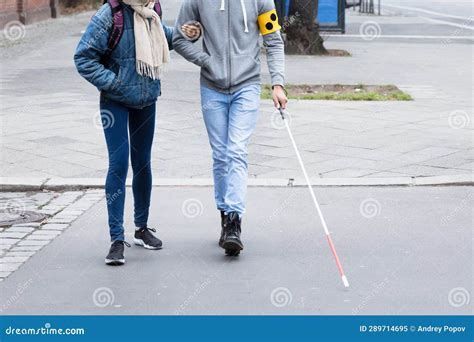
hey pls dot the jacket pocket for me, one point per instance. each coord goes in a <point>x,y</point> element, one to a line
<point>117,84</point>
<point>153,90</point>
<point>244,68</point>
<point>125,89</point>
<point>216,71</point>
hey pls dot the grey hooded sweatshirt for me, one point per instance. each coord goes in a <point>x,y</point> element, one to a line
<point>230,58</point>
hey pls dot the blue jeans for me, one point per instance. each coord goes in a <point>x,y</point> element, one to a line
<point>230,121</point>
<point>119,122</point>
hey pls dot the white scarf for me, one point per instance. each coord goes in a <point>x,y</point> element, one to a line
<point>151,45</point>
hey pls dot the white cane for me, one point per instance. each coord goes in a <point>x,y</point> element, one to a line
<point>316,204</point>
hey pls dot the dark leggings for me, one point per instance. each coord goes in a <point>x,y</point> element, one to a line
<point>119,122</point>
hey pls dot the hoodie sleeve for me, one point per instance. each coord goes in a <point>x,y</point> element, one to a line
<point>274,46</point>
<point>92,47</point>
<point>169,35</point>
<point>185,47</point>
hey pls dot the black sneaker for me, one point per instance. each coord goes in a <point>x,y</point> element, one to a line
<point>232,243</point>
<point>115,256</point>
<point>144,237</point>
<point>223,219</point>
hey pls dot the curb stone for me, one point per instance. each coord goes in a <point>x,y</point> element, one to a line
<point>75,184</point>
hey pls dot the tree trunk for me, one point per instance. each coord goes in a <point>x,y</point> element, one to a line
<point>302,31</point>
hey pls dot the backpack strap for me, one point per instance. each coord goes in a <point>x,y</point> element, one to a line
<point>117,27</point>
<point>158,9</point>
<point>118,23</point>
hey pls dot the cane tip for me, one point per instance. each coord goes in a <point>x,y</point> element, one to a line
<point>345,281</point>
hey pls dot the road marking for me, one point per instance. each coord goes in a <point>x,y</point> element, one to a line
<point>453,37</point>
<point>464,27</point>
<point>428,12</point>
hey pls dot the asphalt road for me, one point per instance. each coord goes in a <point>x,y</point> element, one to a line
<point>414,21</point>
<point>405,251</point>
<point>449,9</point>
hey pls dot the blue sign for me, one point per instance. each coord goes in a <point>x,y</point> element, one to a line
<point>328,12</point>
<point>332,15</point>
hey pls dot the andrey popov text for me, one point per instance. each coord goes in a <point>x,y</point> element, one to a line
<point>405,328</point>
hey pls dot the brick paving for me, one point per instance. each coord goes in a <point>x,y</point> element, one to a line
<point>19,242</point>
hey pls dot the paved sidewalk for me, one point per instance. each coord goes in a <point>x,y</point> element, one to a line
<point>21,241</point>
<point>50,126</point>
<point>405,251</point>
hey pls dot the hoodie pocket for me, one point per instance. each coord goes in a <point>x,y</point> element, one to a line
<point>244,68</point>
<point>216,71</point>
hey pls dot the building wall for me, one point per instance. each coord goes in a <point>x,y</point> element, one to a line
<point>8,11</point>
<point>26,11</point>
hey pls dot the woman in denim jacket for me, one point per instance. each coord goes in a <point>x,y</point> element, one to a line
<point>128,79</point>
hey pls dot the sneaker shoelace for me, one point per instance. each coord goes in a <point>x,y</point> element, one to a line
<point>147,230</point>
<point>116,243</point>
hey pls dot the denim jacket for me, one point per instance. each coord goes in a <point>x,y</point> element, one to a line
<point>116,78</point>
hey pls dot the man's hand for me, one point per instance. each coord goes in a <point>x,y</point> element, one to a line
<point>192,30</point>
<point>279,97</point>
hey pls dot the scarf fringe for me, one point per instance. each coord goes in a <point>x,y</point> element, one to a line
<point>151,45</point>
<point>147,70</point>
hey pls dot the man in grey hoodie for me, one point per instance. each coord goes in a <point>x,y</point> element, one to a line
<point>230,90</point>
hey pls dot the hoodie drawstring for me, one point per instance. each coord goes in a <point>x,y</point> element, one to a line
<point>244,12</point>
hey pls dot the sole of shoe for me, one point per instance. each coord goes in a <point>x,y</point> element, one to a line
<point>140,242</point>
<point>232,247</point>
<point>232,253</point>
<point>117,262</point>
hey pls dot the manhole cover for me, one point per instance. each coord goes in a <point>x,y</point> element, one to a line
<point>11,217</point>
